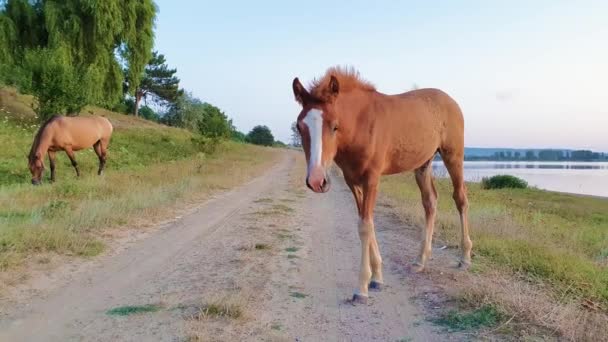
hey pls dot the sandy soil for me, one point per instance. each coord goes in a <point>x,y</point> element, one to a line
<point>284,258</point>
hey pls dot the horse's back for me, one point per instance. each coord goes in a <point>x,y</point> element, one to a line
<point>418,123</point>
<point>82,131</point>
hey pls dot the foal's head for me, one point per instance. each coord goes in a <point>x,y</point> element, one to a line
<point>319,129</point>
<point>36,167</point>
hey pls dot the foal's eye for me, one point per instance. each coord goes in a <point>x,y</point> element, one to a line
<point>335,128</point>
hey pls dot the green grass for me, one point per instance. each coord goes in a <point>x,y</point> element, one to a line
<point>150,169</point>
<point>485,316</point>
<point>554,238</point>
<point>132,310</point>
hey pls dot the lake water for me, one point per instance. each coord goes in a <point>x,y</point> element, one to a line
<point>574,177</point>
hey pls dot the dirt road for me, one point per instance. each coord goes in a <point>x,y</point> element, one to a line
<point>266,261</point>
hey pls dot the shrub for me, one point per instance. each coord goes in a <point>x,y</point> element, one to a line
<point>205,145</point>
<point>503,181</point>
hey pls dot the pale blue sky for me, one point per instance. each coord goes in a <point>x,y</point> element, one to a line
<point>526,73</point>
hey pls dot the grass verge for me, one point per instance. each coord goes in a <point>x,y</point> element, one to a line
<point>554,243</point>
<point>151,170</point>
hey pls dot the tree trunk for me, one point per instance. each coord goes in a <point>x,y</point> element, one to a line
<point>138,95</point>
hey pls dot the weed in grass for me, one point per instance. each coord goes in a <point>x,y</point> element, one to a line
<point>262,246</point>
<point>276,326</point>
<point>224,307</point>
<point>291,249</point>
<point>405,339</point>
<point>133,309</point>
<point>485,316</point>
<point>292,256</point>
<point>299,295</point>
<point>263,200</point>
<point>276,209</point>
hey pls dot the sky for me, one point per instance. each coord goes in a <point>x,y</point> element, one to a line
<point>525,73</point>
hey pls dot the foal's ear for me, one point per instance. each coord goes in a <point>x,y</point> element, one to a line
<point>299,91</point>
<point>334,86</point>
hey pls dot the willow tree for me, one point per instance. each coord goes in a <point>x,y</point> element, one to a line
<point>69,53</point>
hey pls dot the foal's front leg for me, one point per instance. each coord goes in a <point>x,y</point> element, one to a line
<point>371,262</point>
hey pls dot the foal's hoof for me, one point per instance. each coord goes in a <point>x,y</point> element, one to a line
<point>375,286</point>
<point>359,299</point>
<point>464,265</point>
<point>417,267</point>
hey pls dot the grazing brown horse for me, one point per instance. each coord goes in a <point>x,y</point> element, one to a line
<point>69,134</point>
<point>369,134</point>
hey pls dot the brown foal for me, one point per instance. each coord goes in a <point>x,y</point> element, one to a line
<point>369,134</point>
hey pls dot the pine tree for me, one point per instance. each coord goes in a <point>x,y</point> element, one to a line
<point>158,82</point>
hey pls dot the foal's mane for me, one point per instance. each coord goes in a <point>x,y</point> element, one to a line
<point>348,78</point>
<point>32,155</point>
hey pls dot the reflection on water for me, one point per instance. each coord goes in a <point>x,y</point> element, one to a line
<point>589,178</point>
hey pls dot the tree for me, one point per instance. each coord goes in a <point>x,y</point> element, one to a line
<point>296,139</point>
<point>213,122</point>
<point>183,113</point>
<point>238,136</point>
<point>191,113</point>
<point>158,82</point>
<point>69,53</point>
<point>260,135</point>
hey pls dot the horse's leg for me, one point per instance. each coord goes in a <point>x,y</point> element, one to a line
<point>367,237</point>
<point>375,258</point>
<point>424,179</point>
<point>101,154</point>
<point>70,154</point>
<point>52,156</point>
<point>454,164</point>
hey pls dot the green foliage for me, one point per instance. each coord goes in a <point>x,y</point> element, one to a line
<point>503,181</point>
<point>64,52</point>
<point>260,135</point>
<point>279,143</point>
<point>149,114</point>
<point>485,316</point>
<point>197,116</point>
<point>213,122</point>
<point>55,81</point>
<point>205,144</point>
<point>237,136</point>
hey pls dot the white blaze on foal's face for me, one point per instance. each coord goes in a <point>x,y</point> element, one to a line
<point>314,121</point>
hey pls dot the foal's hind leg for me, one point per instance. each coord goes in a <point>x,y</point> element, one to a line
<point>101,154</point>
<point>424,179</point>
<point>455,167</point>
<point>70,154</point>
